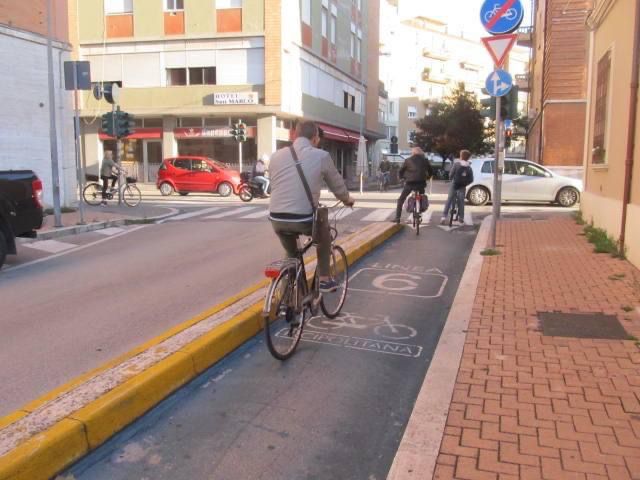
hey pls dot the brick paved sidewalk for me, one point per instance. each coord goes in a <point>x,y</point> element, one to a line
<point>528,406</point>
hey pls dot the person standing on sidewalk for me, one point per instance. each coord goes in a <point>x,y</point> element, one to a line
<point>416,170</point>
<point>297,173</point>
<point>106,174</point>
<point>461,175</point>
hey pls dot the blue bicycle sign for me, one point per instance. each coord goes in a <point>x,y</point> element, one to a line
<point>501,16</point>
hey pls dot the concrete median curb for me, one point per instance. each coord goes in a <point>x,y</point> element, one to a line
<point>51,433</point>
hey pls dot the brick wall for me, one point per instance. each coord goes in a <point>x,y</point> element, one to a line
<point>563,136</point>
<point>31,15</point>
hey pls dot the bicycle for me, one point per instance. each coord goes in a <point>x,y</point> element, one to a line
<point>453,213</point>
<point>129,191</point>
<point>416,212</point>
<point>291,300</point>
<point>383,181</point>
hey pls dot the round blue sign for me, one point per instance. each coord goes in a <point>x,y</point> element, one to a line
<point>499,83</point>
<point>501,16</point>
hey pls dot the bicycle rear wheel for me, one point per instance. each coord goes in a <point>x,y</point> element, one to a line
<point>131,195</point>
<point>92,194</point>
<point>452,214</point>
<point>332,302</point>
<point>282,324</point>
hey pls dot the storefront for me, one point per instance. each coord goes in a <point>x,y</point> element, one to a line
<point>218,144</point>
<point>140,153</point>
<point>342,145</point>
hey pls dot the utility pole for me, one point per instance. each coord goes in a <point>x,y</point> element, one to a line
<point>496,174</point>
<point>76,124</point>
<point>53,132</point>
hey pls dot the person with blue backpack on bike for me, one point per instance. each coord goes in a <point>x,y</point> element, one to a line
<point>460,175</point>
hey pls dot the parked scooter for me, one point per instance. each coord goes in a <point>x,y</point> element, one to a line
<point>250,189</point>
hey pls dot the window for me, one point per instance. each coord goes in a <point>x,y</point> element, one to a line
<point>391,108</point>
<point>530,170</point>
<point>191,122</point>
<point>334,22</point>
<point>358,49</point>
<point>225,4</point>
<point>173,5</point>
<point>202,76</point>
<point>487,167</point>
<point>182,163</point>
<point>599,126</point>
<point>510,168</point>
<point>114,7</point>
<point>324,17</point>
<point>305,11</point>
<point>353,103</point>
<point>412,112</point>
<point>349,102</point>
<point>176,76</point>
<point>353,45</point>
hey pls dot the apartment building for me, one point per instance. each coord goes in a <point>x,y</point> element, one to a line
<point>190,68</point>
<point>611,199</point>
<point>25,141</point>
<point>558,83</point>
<point>423,58</point>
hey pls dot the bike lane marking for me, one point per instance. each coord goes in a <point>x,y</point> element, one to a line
<point>429,283</point>
<point>228,213</point>
<point>184,216</point>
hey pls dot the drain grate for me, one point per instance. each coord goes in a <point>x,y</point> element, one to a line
<point>582,325</point>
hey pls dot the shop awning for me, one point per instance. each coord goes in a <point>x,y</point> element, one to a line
<point>339,134</point>
<point>139,134</point>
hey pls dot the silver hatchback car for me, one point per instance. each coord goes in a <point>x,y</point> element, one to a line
<point>522,181</point>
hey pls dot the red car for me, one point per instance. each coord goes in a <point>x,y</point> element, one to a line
<point>196,174</point>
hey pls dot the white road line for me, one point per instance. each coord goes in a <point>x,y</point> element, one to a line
<point>426,218</point>
<point>77,249</point>
<point>260,214</point>
<point>343,213</point>
<point>468,218</point>
<point>110,231</point>
<point>50,246</point>
<point>183,216</point>
<point>233,211</point>
<point>379,215</point>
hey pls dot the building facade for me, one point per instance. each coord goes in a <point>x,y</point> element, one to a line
<point>558,83</point>
<point>25,141</point>
<point>611,199</point>
<point>423,58</point>
<point>189,69</point>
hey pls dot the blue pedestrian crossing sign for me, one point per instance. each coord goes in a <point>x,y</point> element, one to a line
<point>499,83</point>
<point>501,16</point>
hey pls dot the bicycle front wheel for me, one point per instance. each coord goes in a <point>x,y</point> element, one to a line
<point>282,324</point>
<point>332,302</point>
<point>92,194</point>
<point>131,195</point>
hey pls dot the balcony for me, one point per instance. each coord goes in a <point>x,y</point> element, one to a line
<point>429,76</point>
<point>525,36</point>
<point>435,54</point>
<point>523,82</point>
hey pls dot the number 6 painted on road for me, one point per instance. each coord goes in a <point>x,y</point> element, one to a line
<point>405,280</point>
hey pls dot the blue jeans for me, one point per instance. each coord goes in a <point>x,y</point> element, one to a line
<point>455,194</point>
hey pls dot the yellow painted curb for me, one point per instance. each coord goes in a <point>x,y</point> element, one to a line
<point>45,454</point>
<point>49,452</point>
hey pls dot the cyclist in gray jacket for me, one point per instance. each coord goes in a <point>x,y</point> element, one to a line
<point>290,211</point>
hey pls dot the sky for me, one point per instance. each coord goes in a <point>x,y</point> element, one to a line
<point>459,14</point>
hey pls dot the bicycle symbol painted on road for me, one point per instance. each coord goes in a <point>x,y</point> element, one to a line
<point>381,325</point>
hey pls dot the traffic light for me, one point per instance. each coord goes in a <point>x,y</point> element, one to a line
<point>124,124</point>
<point>239,131</point>
<point>510,104</point>
<point>488,107</point>
<point>412,136</point>
<point>394,144</point>
<point>107,124</point>
<point>508,133</point>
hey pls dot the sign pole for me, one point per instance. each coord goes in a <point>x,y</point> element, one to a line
<point>117,152</point>
<point>76,124</point>
<point>496,173</point>
<point>240,155</point>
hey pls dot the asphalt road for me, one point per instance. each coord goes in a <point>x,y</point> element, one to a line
<point>336,409</point>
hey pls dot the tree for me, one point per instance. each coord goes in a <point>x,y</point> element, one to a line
<point>453,125</point>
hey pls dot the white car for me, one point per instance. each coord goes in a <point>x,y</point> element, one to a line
<point>522,181</point>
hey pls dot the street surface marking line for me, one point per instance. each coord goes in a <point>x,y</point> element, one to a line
<point>50,246</point>
<point>66,252</point>
<point>108,232</point>
<point>358,343</point>
<point>418,451</point>
<point>260,214</point>
<point>379,215</point>
<point>197,213</point>
<point>426,219</point>
<point>468,217</point>
<point>233,211</point>
<point>104,401</point>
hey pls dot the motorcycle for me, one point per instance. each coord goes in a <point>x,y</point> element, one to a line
<point>249,188</point>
